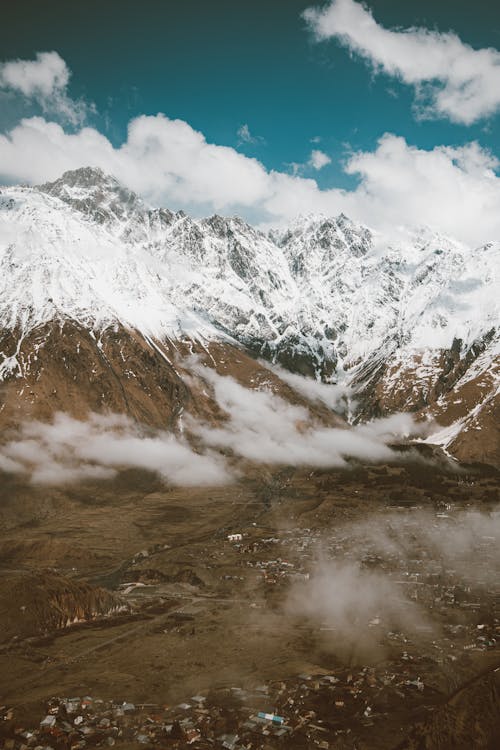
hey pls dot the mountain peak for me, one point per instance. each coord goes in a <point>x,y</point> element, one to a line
<point>328,234</point>
<point>98,195</point>
<point>82,177</point>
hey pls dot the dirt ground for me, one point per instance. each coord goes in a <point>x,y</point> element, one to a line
<point>193,613</point>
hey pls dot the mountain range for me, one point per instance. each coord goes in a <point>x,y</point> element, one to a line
<point>103,300</point>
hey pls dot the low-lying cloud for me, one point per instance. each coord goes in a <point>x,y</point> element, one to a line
<point>457,540</point>
<point>260,426</point>
<point>68,450</point>
<point>331,395</point>
<point>265,428</point>
<point>366,576</point>
<point>353,606</point>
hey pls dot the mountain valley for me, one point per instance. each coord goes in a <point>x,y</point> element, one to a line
<point>244,471</point>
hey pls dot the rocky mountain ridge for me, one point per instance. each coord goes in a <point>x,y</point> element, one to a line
<point>411,324</point>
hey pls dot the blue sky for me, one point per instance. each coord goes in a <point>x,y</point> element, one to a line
<point>220,65</point>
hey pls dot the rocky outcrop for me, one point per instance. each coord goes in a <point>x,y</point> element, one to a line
<point>34,604</point>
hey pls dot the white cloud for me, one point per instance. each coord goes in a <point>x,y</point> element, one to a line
<point>319,159</point>
<point>69,450</point>
<point>359,605</point>
<point>44,80</point>
<point>332,396</point>
<point>245,136</point>
<point>164,160</point>
<point>393,535</point>
<point>451,79</point>
<point>44,76</point>
<point>453,190</point>
<point>262,427</point>
<point>350,600</point>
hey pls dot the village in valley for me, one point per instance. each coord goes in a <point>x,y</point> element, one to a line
<point>408,625</point>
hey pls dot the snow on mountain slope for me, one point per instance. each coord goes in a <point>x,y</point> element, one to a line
<point>421,294</point>
<point>404,321</point>
<point>159,272</point>
<point>53,263</point>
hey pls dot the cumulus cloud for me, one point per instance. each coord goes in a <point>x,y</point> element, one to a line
<point>319,159</point>
<point>68,450</point>
<point>44,80</point>
<point>446,188</point>
<point>44,76</point>
<point>164,160</point>
<point>262,427</point>
<point>450,78</point>
<point>453,190</point>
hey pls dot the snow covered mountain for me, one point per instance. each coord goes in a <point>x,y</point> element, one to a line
<point>412,324</point>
